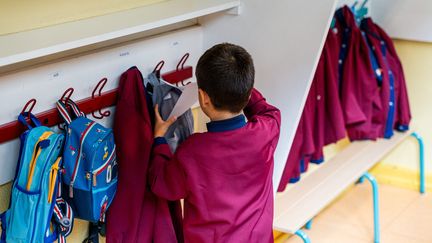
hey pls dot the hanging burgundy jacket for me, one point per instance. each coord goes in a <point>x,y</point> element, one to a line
<point>136,214</point>
<point>399,115</point>
<point>302,146</point>
<point>328,122</point>
<point>322,120</point>
<point>359,90</point>
<point>334,123</point>
<point>292,169</point>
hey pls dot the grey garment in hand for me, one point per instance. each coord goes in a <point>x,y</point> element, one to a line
<point>166,96</point>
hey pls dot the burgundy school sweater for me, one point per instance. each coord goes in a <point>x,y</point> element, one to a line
<point>224,176</point>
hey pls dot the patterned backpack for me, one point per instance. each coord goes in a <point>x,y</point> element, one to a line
<point>37,213</point>
<point>89,161</point>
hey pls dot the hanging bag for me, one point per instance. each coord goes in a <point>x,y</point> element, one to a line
<point>90,177</point>
<point>37,213</point>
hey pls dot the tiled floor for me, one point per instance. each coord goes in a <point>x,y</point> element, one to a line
<point>406,217</point>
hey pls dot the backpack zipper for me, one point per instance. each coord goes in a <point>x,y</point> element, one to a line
<point>101,168</point>
<point>37,150</point>
<point>78,159</point>
<point>53,179</point>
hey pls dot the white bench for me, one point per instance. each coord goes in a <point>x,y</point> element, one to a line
<point>295,207</point>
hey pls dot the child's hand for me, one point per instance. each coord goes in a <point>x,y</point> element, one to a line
<point>161,126</point>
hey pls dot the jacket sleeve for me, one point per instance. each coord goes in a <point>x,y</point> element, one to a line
<point>403,112</point>
<point>403,117</point>
<point>354,82</point>
<point>167,176</point>
<point>259,109</point>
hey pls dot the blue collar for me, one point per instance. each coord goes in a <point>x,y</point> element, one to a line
<point>227,125</point>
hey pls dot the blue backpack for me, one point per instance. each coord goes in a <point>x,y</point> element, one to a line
<point>36,212</point>
<point>89,161</point>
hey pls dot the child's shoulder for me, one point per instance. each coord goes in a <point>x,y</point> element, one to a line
<point>191,143</point>
<point>194,138</point>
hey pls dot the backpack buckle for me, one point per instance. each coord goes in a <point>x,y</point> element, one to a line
<point>65,222</point>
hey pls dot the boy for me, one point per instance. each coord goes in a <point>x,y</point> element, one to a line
<point>225,174</point>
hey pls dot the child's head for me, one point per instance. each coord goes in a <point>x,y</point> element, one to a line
<point>225,75</point>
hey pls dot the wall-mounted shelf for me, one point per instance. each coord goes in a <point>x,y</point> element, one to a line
<point>34,46</point>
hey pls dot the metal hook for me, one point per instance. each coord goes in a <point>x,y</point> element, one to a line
<point>182,61</point>
<point>186,83</point>
<point>181,65</point>
<point>30,103</point>
<point>98,89</point>
<point>67,94</point>
<point>158,68</point>
<point>101,83</point>
<point>64,98</point>
<point>364,3</point>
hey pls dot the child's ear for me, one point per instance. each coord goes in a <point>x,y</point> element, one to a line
<point>204,97</point>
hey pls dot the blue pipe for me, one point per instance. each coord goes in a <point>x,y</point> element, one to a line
<point>374,184</point>
<point>421,156</point>
<point>308,225</point>
<point>303,235</point>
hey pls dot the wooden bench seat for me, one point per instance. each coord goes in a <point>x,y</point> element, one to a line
<point>305,199</point>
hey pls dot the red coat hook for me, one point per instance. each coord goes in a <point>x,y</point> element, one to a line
<point>65,97</point>
<point>26,108</point>
<point>67,94</point>
<point>158,68</point>
<point>98,90</point>
<point>180,74</point>
<point>182,63</point>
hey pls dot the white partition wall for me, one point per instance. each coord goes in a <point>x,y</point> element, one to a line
<point>285,39</point>
<point>403,19</point>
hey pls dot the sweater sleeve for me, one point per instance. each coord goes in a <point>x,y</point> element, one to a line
<point>258,108</point>
<point>167,176</point>
<point>403,117</point>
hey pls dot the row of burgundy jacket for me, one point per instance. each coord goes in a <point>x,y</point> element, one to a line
<point>358,90</point>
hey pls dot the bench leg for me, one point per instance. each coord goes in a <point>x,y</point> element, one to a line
<point>421,156</point>
<point>303,235</point>
<point>308,225</point>
<point>374,183</point>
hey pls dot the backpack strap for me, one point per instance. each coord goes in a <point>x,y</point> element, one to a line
<point>75,109</point>
<point>3,227</point>
<point>64,217</point>
<point>22,119</point>
<point>62,108</point>
<point>93,236</point>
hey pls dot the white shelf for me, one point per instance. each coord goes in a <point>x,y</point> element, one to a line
<point>39,43</point>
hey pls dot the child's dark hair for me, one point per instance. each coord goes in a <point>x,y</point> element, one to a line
<point>226,73</point>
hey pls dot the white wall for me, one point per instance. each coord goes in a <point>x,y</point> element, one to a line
<point>351,2</point>
<point>404,19</point>
<point>285,39</point>
<point>47,83</point>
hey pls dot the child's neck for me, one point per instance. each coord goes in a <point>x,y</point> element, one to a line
<point>222,115</point>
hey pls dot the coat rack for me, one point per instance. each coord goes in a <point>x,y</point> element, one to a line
<point>93,104</point>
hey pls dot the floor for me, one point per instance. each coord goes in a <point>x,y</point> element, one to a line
<point>405,215</point>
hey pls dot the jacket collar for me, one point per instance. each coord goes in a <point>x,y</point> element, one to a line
<point>227,124</point>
